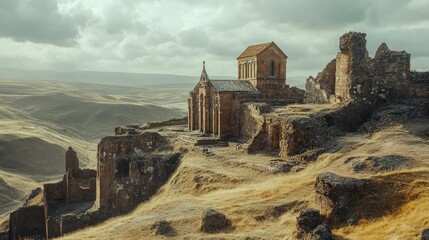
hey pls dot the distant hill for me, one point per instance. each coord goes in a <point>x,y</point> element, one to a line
<point>112,78</point>
<point>118,78</point>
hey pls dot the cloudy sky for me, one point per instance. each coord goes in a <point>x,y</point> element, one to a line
<point>175,36</point>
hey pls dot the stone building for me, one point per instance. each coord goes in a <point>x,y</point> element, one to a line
<point>353,74</point>
<point>214,105</point>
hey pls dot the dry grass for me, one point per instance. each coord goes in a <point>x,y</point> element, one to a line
<point>235,184</point>
<point>40,119</point>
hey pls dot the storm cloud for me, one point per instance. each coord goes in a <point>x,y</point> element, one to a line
<point>163,36</point>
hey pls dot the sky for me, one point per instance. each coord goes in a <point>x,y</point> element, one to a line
<point>175,36</point>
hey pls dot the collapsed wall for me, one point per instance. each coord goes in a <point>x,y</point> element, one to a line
<point>291,134</point>
<point>322,88</point>
<point>27,222</point>
<point>355,82</point>
<point>131,168</point>
<point>384,78</point>
<point>419,84</point>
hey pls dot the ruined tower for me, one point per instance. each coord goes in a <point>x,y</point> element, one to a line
<point>72,162</point>
<point>350,60</point>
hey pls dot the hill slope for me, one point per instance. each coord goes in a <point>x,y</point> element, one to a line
<point>242,187</point>
<point>40,119</point>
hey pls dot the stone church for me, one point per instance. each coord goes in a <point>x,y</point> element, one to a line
<point>214,105</point>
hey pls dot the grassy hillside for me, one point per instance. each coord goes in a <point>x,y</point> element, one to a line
<point>40,119</point>
<point>241,186</point>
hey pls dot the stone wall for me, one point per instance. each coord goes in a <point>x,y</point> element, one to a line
<point>55,191</point>
<point>76,186</point>
<point>139,177</point>
<point>322,88</point>
<point>80,186</point>
<point>419,84</point>
<point>351,71</point>
<point>390,73</point>
<point>384,78</point>
<point>27,222</point>
<point>113,147</point>
<point>125,130</point>
<point>250,119</point>
<point>292,135</point>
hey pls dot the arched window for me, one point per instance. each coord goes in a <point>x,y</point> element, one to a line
<point>273,66</point>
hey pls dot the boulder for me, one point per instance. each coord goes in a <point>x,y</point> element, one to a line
<point>337,195</point>
<point>425,234</point>
<point>214,221</point>
<point>321,232</point>
<point>307,221</point>
<point>280,166</point>
<point>164,228</point>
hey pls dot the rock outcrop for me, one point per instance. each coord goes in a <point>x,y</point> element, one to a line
<point>310,226</point>
<point>337,196</point>
<point>425,234</point>
<point>346,200</point>
<point>376,164</point>
<point>163,228</point>
<point>214,221</point>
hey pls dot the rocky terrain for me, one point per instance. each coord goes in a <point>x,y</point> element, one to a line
<point>350,163</point>
<point>367,184</point>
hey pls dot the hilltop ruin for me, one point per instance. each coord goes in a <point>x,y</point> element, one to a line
<point>257,112</point>
<point>346,92</point>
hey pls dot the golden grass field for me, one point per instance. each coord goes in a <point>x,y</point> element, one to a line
<point>238,185</point>
<point>47,117</point>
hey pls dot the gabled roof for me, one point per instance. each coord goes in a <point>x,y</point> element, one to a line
<point>254,50</point>
<point>258,48</point>
<point>232,86</point>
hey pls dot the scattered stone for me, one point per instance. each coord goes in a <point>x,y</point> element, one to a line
<point>307,221</point>
<point>376,163</point>
<point>280,166</point>
<point>164,228</point>
<point>425,234</point>
<point>321,232</point>
<point>297,168</point>
<point>214,221</point>
<point>353,220</point>
<point>279,210</point>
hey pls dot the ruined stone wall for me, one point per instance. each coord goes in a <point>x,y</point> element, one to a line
<point>391,73</point>
<point>55,191</point>
<point>385,77</point>
<point>114,147</point>
<point>294,135</point>
<point>251,119</point>
<point>419,86</point>
<point>170,122</point>
<point>139,177</point>
<point>85,173</point>
<point>322,88</point>
<point>80,186</point>
<point>27,222</point>
<point>351,67</point>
